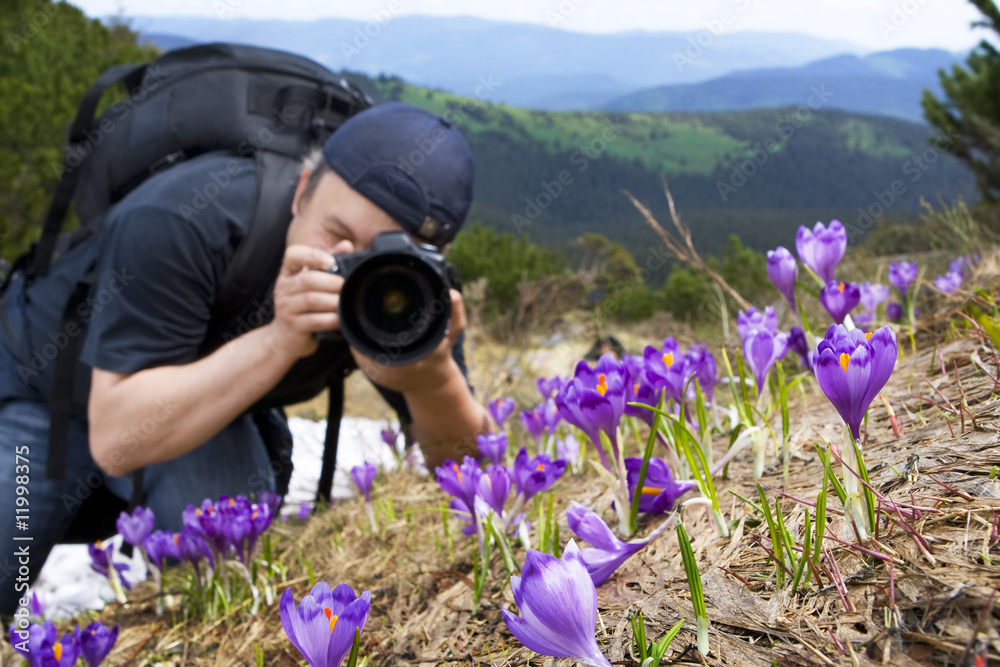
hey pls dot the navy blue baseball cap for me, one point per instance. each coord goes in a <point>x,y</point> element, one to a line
<point>414,165</point>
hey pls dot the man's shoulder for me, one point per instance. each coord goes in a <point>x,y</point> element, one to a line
<point>214,190</point>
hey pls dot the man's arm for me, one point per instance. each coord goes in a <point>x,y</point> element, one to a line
<point>161,413</point>
<point>446,420</point>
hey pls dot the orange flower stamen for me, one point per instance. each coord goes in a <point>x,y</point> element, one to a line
<point>651,491</point>
<point>868,335</point>
<point>57,651</point>
<point>668,359</point>
<point>541,466</point>
<point>602,386</point>
<point>844,360</point>
<point>331,618</point>
<point>459,472</point>
<point>841,287</point>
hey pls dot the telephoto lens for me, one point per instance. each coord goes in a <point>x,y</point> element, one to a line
<point>394,305</point>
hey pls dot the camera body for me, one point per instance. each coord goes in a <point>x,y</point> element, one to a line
<point>395,305</point>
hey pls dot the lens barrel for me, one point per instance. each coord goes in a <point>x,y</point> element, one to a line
<point>395,303</point>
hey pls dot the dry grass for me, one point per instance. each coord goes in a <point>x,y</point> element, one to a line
<point>935,604</point>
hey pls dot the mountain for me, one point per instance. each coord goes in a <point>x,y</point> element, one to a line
<point>537,66</point>
<point>889,83</point>
<point>755,173</point>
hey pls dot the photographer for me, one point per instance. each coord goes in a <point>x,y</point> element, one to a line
<point>162,391</point>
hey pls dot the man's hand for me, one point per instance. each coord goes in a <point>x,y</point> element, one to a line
<point>305,300</point>
<point>431,372</point>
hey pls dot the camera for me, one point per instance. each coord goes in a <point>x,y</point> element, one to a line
<point>394,305</point>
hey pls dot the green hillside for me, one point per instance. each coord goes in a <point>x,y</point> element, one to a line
<point>757,173</point>
<point>671,144</point>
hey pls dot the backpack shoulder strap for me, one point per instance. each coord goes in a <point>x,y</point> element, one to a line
<point>41,253</point>
<point>262,249</point>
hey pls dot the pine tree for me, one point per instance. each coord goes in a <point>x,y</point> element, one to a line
<point>50,54</point>
<point>969,119</point>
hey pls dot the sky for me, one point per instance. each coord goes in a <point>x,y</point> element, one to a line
<point>875,25</point>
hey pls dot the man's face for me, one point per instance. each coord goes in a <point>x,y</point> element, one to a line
<point>335,213</point>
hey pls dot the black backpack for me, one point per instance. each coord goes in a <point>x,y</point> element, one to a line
<point>261,103</point>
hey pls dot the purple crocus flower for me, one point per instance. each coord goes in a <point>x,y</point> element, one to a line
<point>822,248</point>
<point>322,627</point>
<point>43,648</point>
<point>665,369</point>
<point>949,282</point>
<point>191,548</point>
<point>493,446</point>
<point>206,522</point>
<point>852,367</point>
<point>36,609</point>
<point>839,299</point>
<point>959,264</point>
<point>594,400</point>
<point>534,423</point>
<point>659,490</point>
<point>389,437</point>
<point>568,448</point>
<point>494,487</point>
<point>902,275</point>
<point>894,311</point>
<point>363,476</point>
<point>797,344</point>
<point>96,641</point>
<point>608,552</point>
<point>639,390</point>
<point>547,387</point>
<point>271,499</point>
<point>464,512</point>
<point>136,527</point>
<point>550,415</point>
<point>501,409</point>
<point>460,481</point>
<point>700,362</point>
<point>558,604</point>
<point>754,320</point>
<point>101,559</point>
<point>762,350</point>
<point>159,546</point>
<point>305,509</point>
<point>783,270</point>
<point>872,294</point>
<point>534,475</point>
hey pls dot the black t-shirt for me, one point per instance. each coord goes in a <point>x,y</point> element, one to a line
<point>161,256</point>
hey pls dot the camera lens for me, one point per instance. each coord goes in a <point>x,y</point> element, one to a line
<point>390,301</point>
<point>394,305</point>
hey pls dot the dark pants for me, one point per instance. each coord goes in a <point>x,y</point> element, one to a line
<point>233,462</point>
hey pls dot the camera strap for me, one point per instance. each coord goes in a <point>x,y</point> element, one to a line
<point>334,412</point>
